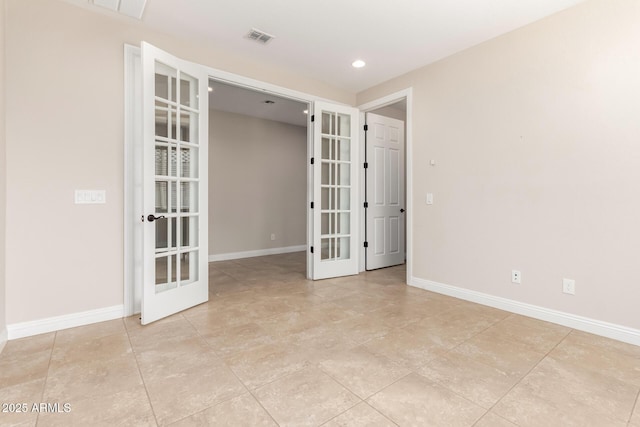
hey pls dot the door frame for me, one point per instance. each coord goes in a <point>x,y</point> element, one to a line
<point>405,94</point>
<point>132,133</point>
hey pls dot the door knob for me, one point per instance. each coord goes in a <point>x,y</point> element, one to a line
<point>152,218</point>
<point>401,210</point>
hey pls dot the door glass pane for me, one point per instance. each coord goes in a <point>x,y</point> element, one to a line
<point>344,199</point>
<point>343,174</point>
<point>188,197</point>
<point>162,270</point>
<point>165,82</point>
<point>343,223</point>
<point>162,119</point>
<point>188,231</point>
<point>162,197</point>
<point>174,197</point>
<point>188,90</point>
<point>325,248</point>
<point>189,127</point>
<point>173,268</point>
<point>344,125</point>
<point>344,149</point>
<point>173,116</point>
<point>188,268</point>
<point>188,162</point>
<point>326,148</point>
<point>326,173</point>
<point>162,235</point>
<point>342,247</point>
<point>326,123</point>
<point>325,203</point>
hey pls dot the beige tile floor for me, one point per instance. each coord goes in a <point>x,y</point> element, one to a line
<point>271,348</point>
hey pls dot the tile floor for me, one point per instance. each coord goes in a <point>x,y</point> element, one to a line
<point>271,348</point>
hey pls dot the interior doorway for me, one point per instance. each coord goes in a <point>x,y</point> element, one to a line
<point>398,105</point>
<point>257,172</point>
<point>385,186</point>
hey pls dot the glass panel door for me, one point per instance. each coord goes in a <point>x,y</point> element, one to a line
<point>335,190</point>
<point>175,177</point>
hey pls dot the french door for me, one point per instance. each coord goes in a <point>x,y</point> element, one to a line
<point>335,191</point>
<point>175,238</point>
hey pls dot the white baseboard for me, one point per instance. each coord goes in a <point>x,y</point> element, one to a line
<point>597,327</point>
<point>4,336</point>
<point>57,323</point>
<point>259,252</point>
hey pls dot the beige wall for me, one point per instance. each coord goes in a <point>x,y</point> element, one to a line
<point>64,95</point>
<point>3,179</point>
<point>257,183</point>
<point>536,137</point>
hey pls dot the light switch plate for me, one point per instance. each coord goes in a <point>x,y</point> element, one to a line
<point>429,198</point>
<point>87,197</point>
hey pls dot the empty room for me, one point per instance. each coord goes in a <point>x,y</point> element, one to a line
<point>345,213</point>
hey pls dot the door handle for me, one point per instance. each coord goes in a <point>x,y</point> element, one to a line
<point>401,210</point>
<point>152,218</point>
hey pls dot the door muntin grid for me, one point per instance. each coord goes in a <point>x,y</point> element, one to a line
<point>176,178</point>
<point>335,187</point>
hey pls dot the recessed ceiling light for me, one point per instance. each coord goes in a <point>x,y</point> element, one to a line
<point>358,63</point>
<point>210,89</point>
<point>306,111</point>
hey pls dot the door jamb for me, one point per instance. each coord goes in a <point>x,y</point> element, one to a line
<point>374,105</point>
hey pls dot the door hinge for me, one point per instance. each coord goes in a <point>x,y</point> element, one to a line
<point>366,128</point>
<point>311,249</point>
<point>313,160</point>
<point>366,165</point>
<point>311,205</point>
<point>366,204</point>
<point>366,244</point>
<point>313,117</point>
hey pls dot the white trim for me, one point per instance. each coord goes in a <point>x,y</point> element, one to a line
<point>258,252</point>
<point>379,103</point>
<point>4,337</point>
<point>132,179</point>
<point>597,327</point>
<point>57,323</point>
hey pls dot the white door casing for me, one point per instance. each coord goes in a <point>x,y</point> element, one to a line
<point>175,243</point>
<point>385,213</point>
<point>335,191</point>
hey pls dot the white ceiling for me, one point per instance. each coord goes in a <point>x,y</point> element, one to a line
<point>251,103</point>
<point>321,38</point>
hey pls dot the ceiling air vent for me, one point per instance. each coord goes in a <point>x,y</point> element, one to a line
<point>259,36</point>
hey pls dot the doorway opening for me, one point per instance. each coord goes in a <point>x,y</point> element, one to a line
<point>258,150</point>
<point>385,188</point>
<point>386,212</point>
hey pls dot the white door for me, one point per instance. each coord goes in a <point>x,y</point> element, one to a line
<point>385,192</point>
<point>175,236</point>
<point>335,191</point>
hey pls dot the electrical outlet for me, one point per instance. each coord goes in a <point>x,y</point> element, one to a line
<point>273,236</point>
<point>516,276</point>
<point>569,286</point>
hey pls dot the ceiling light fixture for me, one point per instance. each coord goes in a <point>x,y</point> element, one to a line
<point>358,63</point>
<point>210,89</point>
<point>305,112</point>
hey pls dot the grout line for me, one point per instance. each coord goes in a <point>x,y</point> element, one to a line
<point>635,405</point>
<point>144,383</point>
<point>232,373</point>
<point>46,378</point>
<point>529,371</point>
